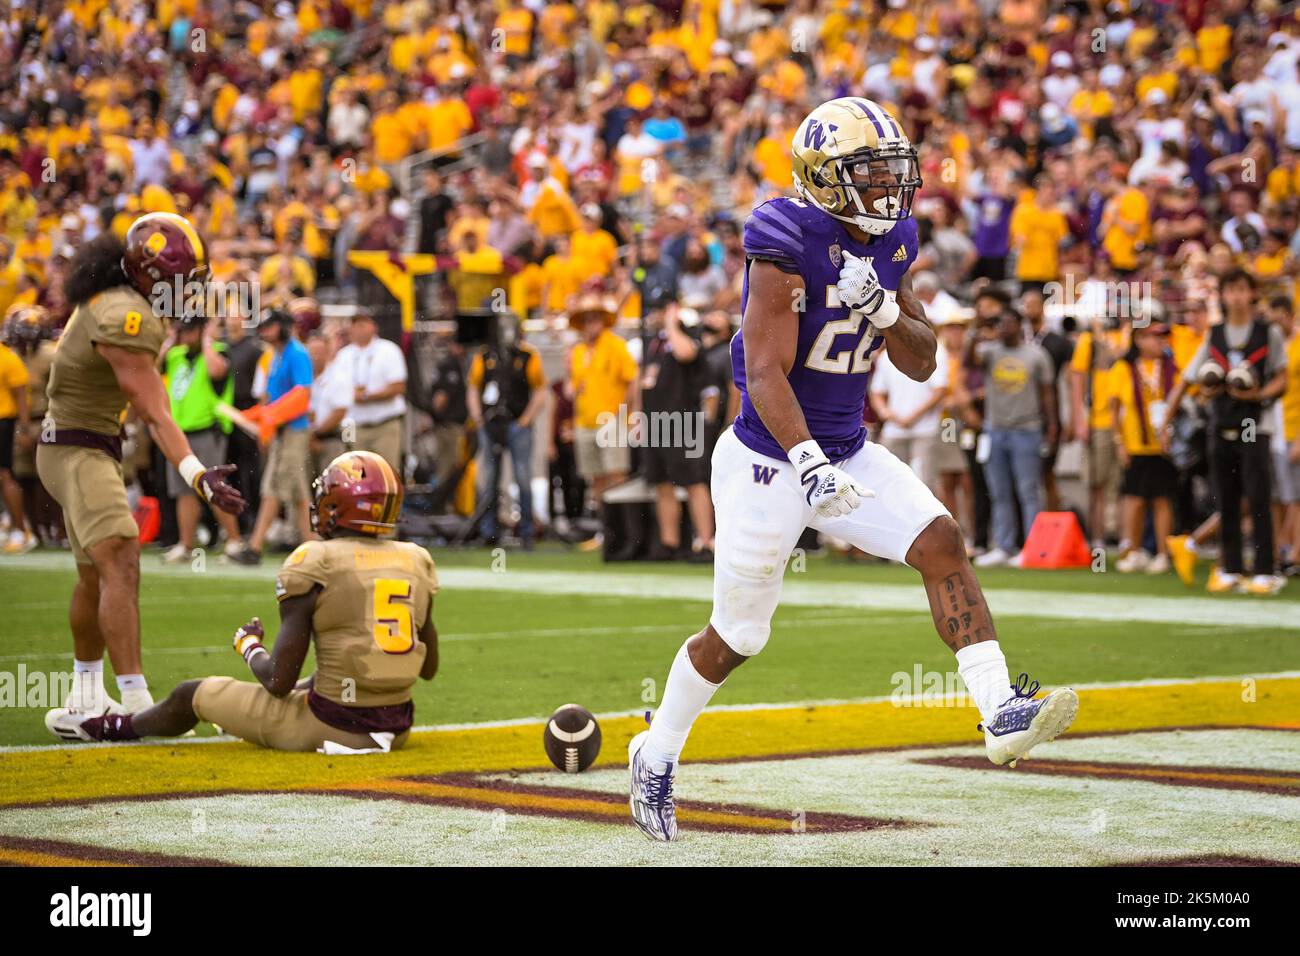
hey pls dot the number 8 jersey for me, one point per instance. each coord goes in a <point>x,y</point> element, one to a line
<point>836,346</point>
<point>375,596</point>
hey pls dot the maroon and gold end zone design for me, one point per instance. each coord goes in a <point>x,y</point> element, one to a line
<point>485,793</point>
<point>478,768</point>
<point>1284,782</point>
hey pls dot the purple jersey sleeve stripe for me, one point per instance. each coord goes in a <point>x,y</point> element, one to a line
<point>772,214</point>
<point>769,232</point>
<point>763,240</point>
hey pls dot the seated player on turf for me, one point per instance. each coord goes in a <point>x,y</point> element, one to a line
<point>825,288</point>
<point>369,603</point>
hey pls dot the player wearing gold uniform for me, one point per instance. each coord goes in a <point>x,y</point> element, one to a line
<point>104,362</point>
<point>368,602</point>
<point>27,330</point>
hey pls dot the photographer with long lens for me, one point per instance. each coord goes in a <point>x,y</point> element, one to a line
<point>1241,367</point>
<point>507,391</point>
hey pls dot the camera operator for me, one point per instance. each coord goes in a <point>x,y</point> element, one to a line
<point>1241,366</point>
<point>507,390</point>
<point>673,380</point>
<point>448,406</point>
<point>243,353</point>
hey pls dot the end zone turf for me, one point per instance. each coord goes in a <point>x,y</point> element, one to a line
<point>62,805</point>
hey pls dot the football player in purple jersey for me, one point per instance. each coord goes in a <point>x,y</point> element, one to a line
<point>825,288</point>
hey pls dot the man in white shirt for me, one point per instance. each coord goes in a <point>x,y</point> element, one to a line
<point>1060,85</point>
<point>377,368</point>
<point>910,412</point>
<point>331,398</point>
<point>348,121</point>
<point>636,145</point>
<point>150,156</point>
<point>1288,100</point>
<point>1242,230</point>
<point>1158,124</point>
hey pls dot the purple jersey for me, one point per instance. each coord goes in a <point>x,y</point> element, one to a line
<point>836,346</point>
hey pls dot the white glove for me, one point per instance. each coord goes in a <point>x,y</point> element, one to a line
<point>859,286</point>
<point>860,290</point>
<point>830,491</point>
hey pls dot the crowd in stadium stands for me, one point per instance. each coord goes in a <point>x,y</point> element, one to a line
<point>497,221</point>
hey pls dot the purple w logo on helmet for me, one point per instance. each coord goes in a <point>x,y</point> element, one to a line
<point>815,134</point>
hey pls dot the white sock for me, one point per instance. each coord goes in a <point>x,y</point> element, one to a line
<point>87,686</point>
<point>984,670</point>
<point>685,695</point>
<point>135,692</point>
<point>134,701</point>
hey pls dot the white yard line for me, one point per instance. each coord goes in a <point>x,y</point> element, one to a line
<point>812,620</point>
<point>538,721</point>
<point>799,591</point>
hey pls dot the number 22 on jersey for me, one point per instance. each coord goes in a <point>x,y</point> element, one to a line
<point>394,616</point>
<point>846,361</point>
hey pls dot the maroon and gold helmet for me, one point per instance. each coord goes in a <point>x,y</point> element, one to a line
<point>161,246</point>
<point>25,325</point>
<point>358,491</point>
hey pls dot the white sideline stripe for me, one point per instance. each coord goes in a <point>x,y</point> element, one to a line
<point>1014,602</point>
<point>684,629</point>
<point>720,708</point>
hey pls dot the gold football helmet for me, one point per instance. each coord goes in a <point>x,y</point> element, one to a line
<point>854,162</point>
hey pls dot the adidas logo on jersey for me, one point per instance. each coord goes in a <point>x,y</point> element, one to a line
<point>900,255</point>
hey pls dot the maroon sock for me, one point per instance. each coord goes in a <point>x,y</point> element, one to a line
<point>110,727</point>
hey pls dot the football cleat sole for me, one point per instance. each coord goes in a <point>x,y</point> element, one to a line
<point>1054,718</point>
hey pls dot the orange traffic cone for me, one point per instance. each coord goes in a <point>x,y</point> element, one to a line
<point>148,518</point>
<point>1055,541</point>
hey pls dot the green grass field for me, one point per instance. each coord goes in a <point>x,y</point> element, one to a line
<point>556,626</point>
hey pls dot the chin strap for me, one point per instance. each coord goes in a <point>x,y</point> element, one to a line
<point>872,223</point>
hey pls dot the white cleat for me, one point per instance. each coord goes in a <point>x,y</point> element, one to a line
<point>66,724</point>
<point>651,799</point>
<point>1022,722</point>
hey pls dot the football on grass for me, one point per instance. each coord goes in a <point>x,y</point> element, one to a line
<point>572,738</point>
